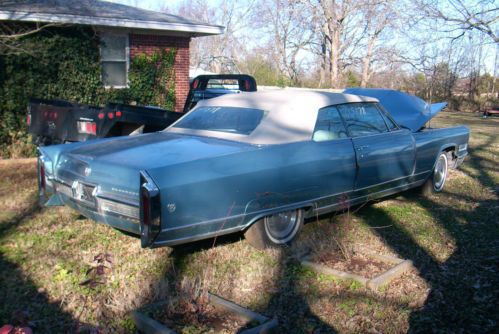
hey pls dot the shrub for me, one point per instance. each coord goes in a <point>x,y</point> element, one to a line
<point>63,63</point>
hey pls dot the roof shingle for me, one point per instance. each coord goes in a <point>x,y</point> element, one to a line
<point>101,13</point>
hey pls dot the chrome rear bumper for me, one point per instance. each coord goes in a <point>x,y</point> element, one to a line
<point>93,199</point>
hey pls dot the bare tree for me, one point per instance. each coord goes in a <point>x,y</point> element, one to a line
<point>337,26</point>
<point>12,35</point>
<point>378,17</point>
<point>495,74</point>
<point>461,17</point>
<point>219,53</point>
<point>286,21</point>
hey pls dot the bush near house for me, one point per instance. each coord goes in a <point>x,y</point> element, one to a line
<point>63,63</point>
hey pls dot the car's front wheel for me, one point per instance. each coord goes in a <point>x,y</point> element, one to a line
<point>275,230</point>
<point>436,181</point>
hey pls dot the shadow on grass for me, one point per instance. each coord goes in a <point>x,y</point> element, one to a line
<point>20,294</point>
<point>20,299</point>
<point>10,224</point>
<point>464,289</point>
<point>482,164</point>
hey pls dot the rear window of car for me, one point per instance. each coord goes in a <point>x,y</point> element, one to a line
<point>232,84</point>
<point>224,119</point>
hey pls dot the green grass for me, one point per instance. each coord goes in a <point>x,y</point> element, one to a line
<point>452,238</point>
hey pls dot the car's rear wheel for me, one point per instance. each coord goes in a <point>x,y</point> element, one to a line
<point>275,230</point>
<point>436,181</point>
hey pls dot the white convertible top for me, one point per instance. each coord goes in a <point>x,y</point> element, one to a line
<point>290,114</point>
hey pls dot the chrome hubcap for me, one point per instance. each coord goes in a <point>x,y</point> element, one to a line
<point>440,173</point>
<point>282,227</point>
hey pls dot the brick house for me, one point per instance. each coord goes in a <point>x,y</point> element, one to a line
<point>125,32</point>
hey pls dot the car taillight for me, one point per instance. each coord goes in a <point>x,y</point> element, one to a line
<point>28,119</point>
<point>146,208</point>
<point>87,127</point>
<point>150,210</point>
<point>41,176</point>
<point>45,186</point>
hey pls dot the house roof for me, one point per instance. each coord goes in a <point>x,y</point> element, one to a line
<point>101,13</point>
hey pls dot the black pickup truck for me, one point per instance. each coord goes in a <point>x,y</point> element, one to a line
<point>205,87</point>
<point>56,122</point>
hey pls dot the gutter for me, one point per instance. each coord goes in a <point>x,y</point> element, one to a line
<point>195,29</point>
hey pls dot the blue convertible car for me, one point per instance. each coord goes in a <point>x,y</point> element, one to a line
<point>259,163</point>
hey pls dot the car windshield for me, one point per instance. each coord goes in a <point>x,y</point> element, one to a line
<point>225,119</point>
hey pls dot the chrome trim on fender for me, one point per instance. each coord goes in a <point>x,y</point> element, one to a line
<point>198,237</point>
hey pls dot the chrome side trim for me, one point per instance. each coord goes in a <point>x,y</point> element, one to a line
<point>366,198</point>
<point>292,205</point>
<point>397,179</point>
<point>198,237</point>
<point>263,213</point>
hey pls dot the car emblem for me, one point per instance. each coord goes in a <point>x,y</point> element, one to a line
<point>171,207</point>
<point>87,171</point>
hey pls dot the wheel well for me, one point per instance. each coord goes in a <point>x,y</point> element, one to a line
<point>452,155</point>
<point>306,211</point>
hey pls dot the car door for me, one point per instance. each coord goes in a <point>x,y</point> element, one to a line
<point>385,153</point>
<point>334,170</point>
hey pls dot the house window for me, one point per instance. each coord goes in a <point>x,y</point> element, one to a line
<point>114,60</point>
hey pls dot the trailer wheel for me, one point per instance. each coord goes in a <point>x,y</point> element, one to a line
<point>275,230</point>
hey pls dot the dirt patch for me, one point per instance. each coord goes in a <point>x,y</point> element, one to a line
<point>189,308</point>
<point>195,316</point>
<point>357,264</point>
<point>199,319</point>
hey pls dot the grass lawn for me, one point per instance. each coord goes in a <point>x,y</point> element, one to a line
<point>64,273</point>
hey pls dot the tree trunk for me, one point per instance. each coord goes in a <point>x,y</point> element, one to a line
<point>366,63</point>
<point>335,52</point>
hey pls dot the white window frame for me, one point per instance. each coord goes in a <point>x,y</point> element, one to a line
<point>127,57</point>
